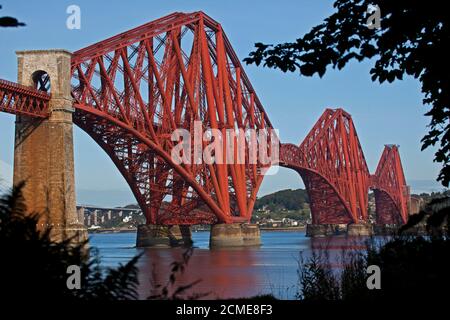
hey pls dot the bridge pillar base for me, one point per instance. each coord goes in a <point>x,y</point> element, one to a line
<point>359,229</point>
<point>384,230</point>
<point>251,234</point>
<point>43,150</point>
<point>317,230</point>
<point>324,230</point>
<point>181,236</point>
<point>160,236</point>
<point>76,232</point>
<point>226,235</point>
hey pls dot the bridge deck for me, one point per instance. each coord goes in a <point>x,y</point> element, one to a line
<point>22,100</point>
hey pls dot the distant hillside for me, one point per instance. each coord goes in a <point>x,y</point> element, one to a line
<point>284,199</point>
<point>291,200</point>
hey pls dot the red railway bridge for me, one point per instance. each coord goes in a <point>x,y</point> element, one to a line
<point>131,91</point>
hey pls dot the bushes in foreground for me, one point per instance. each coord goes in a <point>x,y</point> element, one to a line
<point>33,267</point>
<point>411,267</point>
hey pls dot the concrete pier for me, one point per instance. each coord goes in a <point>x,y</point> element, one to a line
<point>316,230</point>
<point>324,230</point>
<point>160,236</point>
<point>359,229</point>
<point>251,234</point>
<point>226,235</point>
<point>182,235</point>
<point>234,235</point>
<point>385,230</point>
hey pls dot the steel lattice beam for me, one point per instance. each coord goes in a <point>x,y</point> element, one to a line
<point>133,90</point>
<point>22,100</point>
<point>391,191</point>
<point>332,165</point>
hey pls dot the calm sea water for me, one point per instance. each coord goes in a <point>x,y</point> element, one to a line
<point>224,273</point>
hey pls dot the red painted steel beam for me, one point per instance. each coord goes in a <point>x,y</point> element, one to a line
<point>131,91</point>
<point>392,195</point>
<point>22,100</point>
<point>331,162</point>
<point>134,89</point>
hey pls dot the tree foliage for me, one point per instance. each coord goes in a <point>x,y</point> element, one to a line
<point>435,215</point>
<point>35,268</point>
<point>411,268</point>
<point>412,41</point>
<point>284,199</point>
<point>317,280</point>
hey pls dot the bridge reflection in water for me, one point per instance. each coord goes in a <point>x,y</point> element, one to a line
<point>227,273</point>
<point>222,273</point>
<point>336,250</point>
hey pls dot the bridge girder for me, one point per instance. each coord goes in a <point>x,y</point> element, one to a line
<point>22,100</point>
<point>392,195</point>
<point>332,165</point>
<point>133,90</point>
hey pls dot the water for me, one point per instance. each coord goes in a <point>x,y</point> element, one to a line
<point>224,273</point>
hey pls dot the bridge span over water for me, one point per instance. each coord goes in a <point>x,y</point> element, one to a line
<point>131,91</point>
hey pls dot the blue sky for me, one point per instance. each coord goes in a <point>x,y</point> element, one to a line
<point>383,114</point>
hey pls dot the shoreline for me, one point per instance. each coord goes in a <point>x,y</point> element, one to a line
<point>268,229</point>
<point>112,231</point>
<point>284,229</point>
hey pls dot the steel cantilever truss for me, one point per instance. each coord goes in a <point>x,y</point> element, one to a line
<point>332,165</point>
<point>389,185</point>
<point>133,90</point>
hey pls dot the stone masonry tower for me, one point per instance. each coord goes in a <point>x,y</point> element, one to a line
<point>43,155</point>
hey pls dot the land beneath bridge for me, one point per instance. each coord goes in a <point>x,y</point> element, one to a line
<point>133,229</point>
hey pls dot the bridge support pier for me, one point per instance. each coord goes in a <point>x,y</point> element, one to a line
<point>359,229</point>
<point>160,236</point>
<point>182,235</point>
<point>251,234</point>
<point>226,235</point>
<point>43,153</point>
<point>234,235</point>
<point>324,230</point>
<point>384,230</point>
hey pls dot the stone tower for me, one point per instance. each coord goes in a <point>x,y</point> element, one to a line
<point>43,154</point>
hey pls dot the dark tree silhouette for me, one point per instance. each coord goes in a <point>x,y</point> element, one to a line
<point>412,269</point>
<point>411,40</point>
<point>436,216</point>
<point>35,268</point>
<point>10,22</point>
